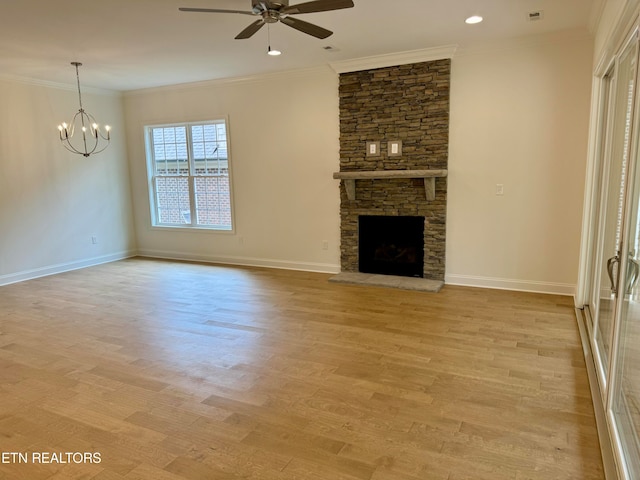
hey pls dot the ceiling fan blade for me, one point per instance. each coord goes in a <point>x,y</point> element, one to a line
<point>214,10</point>
<point>317,6</point>
<point>306,27</point>
<point>250,30</point>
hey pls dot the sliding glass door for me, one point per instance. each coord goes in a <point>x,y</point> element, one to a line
<point>614,301</point>
<point>626,386</point>
<point>605,294</point>
<point>625,397</point>
<point>614,175</point>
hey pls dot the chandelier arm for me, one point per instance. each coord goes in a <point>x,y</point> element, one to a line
<point>98,151</point>
<point>84,118</point>
<point>72,149</point>
<point>84,128</point>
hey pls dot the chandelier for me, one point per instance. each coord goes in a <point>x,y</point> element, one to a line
<point>91,139</point>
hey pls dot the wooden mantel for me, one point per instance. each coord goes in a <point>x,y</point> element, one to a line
<point>429,177</point>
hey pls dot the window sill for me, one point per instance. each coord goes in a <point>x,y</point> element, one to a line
<point>182,229</point>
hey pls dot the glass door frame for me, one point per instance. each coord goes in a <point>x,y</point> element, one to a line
<point>608,89</point>
<point>604,153</point>
<point>629,199</point>
<point>592,254</point>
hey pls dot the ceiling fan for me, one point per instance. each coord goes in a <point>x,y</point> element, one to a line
<point>280,11</point>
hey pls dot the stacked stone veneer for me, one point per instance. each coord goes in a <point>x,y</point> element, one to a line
<point>408,103</point>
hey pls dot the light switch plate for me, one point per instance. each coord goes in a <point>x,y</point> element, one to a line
<point>373,149</point>
<point>395,148</point>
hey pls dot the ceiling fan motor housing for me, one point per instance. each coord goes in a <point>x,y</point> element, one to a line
<point>258,4</point>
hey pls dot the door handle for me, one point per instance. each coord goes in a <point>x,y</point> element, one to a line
<point>633,271</point>
<point>610,264</point>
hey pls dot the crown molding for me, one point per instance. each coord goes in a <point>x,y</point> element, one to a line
<point>248,79</point>
<point>393,59</point>
<point>58,86</point>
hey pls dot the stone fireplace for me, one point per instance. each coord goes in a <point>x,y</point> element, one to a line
<point>406,105</point>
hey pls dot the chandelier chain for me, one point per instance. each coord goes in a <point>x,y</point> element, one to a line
<point>77,64</point>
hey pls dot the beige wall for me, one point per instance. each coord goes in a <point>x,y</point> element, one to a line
<point>284,148</point>
<point>519,117</point>
<point>51,201</point>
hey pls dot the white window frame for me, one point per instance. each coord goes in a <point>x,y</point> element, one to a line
<point>191,176</point>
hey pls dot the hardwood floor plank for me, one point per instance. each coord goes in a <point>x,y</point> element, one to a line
<point>310,449</point>
<point>184,371</point>
<point>187,468</point>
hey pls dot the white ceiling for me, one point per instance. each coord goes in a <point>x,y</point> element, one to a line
<point>133,44</point>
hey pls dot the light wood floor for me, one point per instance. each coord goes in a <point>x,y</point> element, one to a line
<point>183,371</point>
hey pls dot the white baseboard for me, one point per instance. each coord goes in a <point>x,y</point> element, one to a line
<point>244,261</point>
<point>463,280</point>
<point>510,284</point>
<point>62,267</point>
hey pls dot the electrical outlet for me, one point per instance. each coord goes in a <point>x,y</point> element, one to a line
<point>325,244</point>
<point>499,189</point>
<point>94,239</point>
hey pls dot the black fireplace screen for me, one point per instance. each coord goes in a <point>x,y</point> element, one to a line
<point>391,245</point>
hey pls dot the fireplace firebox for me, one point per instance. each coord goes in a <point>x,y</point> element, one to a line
<point>391,245</point>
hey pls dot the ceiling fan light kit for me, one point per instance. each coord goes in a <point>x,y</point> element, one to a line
<point>281,11</point>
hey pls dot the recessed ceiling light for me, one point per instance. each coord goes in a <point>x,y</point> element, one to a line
<point>473,19</point>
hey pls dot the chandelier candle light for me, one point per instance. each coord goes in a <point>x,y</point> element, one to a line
<point>91,134</point>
